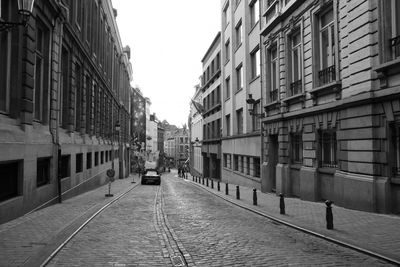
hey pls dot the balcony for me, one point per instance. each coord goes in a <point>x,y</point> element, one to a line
<point>295,88</point>
<point>327,75</point>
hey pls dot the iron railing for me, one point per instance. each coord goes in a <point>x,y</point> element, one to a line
<point>295,87</point>
<point>327,75</point>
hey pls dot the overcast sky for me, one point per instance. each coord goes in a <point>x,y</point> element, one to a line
<point>168,39</point>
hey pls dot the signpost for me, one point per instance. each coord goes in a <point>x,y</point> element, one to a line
<point>110,174</point>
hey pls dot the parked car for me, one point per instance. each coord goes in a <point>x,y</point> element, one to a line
<point>151,176</point>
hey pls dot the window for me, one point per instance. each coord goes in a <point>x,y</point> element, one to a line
<point>239,121</point>
<point>241,164</point>
<point>41,72</point>
<point>256,120</point>
<point>10,174</point>
<point>326,41</point>
<point>89,102</point>
<point>274,73</point>
<point>255,63</point>
<point>226,14</point>
<point>102,157</point>
<point>65,166</point>
<point>79,163</point>
<point>78,97</point>
<point>89,160</point>
<point>395,23</point>
<point>396,145</point>
<point>248,164</point>
<point>296,148</point>
<point>328,148</point>
<point>65,88</point>
<point>256,164</point>
<point>227,87</point>
<point>238,34</point>
<point>235,162</point>
<point>42,171</point>
<point>239,78</point>
<point>254,13</point>
<point>227,51</point>
<point>96,158</point>
<point>228,124</point>
<point>78,12</point>
<point>295,59</point>
<point>88,22</point>
<point>5,58</point>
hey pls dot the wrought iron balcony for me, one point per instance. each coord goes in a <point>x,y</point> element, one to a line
<point>329,164</point>
<point>395,43</point>
<point>273,95</point>
<point>295,87</point>
<point>327,75</point>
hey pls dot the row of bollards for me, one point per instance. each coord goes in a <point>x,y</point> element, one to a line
<point>282,207</point>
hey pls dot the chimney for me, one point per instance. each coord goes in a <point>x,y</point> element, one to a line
<point>127,51</point>
<point>115,12</point>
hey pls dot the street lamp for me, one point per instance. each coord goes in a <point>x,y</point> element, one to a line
<point>25,8</point>
<point>250,106</point>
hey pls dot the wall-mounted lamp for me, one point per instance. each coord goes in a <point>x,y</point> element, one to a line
<point>25,8</point>
<point>250,106</point>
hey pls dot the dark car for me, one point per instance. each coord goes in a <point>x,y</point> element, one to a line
<point>151,176</point>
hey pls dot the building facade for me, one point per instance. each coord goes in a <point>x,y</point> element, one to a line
<point>331,93</point>
<point>211,90</point>
<point>241,135</point>
<point>196,132</point>
<point>64,85</point>
<point>138,128</point>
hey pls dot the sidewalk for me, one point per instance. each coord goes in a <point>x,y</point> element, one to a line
<point>32,237</point>
<point>377,233</point>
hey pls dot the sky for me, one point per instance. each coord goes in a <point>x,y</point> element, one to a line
<point>168,39</point>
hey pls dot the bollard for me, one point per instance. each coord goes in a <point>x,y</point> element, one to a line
<point>237,192</point>
<point>212,184</point>
<point>207,182</point>
<point>203,180</point>
<point>329,215</point>
<point>226,189</point>
<point>193,178</point>
<point>255,197</point>
<point>282,203</point>
<point>219,186</point>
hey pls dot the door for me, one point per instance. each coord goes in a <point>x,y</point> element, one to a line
<point>273,159</point>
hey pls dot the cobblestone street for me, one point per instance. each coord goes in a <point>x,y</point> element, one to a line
<point>178,224</point>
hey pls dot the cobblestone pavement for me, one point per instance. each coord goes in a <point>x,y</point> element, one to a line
<point>181,224</point>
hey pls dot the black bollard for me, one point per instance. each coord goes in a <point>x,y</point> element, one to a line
<point>282,203</point>
<point>207,182</point>
<point>255,197</point>
<point>237,192</point>
<point>219,186</point>
<point>212,184</point>
<point>329,215</point>
<point>226,189</point>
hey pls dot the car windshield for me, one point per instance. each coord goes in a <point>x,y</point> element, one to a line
<point>151,173</point>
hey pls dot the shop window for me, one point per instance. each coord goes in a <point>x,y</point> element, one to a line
<point>296,148</point>
<point>395,130</point>
<point>256,164</point>
<point>96,158</point>
<point>89,160</point>
<point>236,162</point>
<point>102,157</point>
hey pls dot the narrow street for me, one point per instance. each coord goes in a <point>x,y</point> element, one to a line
<point>179,224</point>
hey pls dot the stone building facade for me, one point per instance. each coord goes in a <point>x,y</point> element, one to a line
<point>64,85</point>
<point>196,132</point>
<point>240,75</point>
<point>211,91</point>
<point>331,94</point>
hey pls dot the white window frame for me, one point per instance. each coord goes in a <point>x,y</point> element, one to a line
<point>254,13</point>
<point>239,78</point>
<point>330,27</point>
<point>255,63</point>
<point>239,34</point>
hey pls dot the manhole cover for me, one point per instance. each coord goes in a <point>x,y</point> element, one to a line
<point>177,261</point>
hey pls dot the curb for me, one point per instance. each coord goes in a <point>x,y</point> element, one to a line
<point>307,231</point>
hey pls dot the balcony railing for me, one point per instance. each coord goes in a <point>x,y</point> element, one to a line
<point>327,75</point>
<point>273,95</point>
<point>295,87</point>
<point>395,43</point>
<point>329,164</point>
